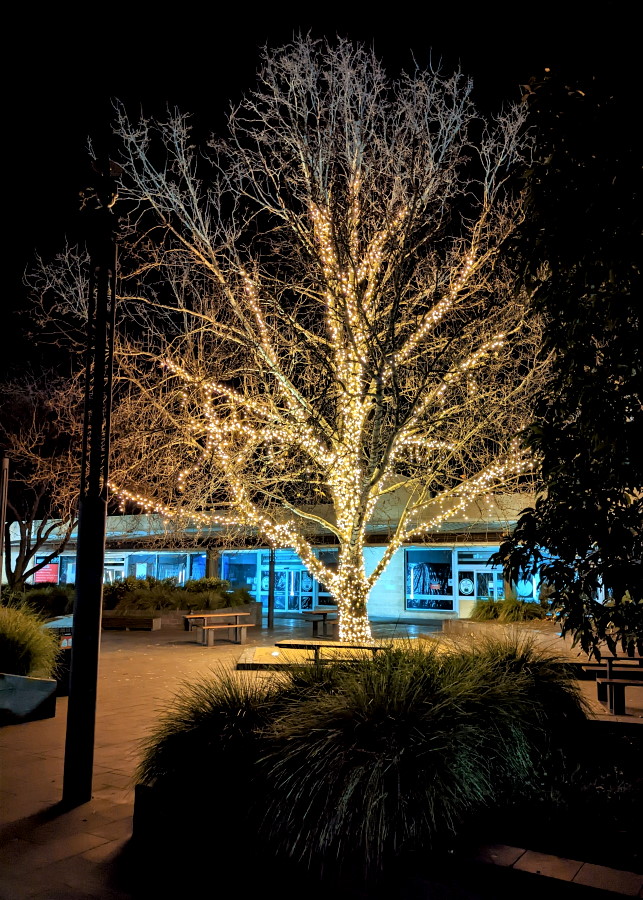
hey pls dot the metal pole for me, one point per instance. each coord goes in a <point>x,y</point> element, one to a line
<point>271,588</point>
<point>92,509</point>
<point>4,488</point>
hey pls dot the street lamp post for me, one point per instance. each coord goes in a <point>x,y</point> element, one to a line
<point>92,509</point>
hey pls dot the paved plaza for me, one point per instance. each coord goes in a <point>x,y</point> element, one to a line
<point>52,854</point>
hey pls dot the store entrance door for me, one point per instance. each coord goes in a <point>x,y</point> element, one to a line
<point>293,587</point>
<point>481,583</point>
<point>112,573</point>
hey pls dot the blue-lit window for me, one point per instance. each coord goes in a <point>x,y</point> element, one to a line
<point>429,579</point>
<point>197,565</point>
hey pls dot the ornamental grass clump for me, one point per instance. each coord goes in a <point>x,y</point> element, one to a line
<point>486,610</point>
<point>26,648</point>
<point>408,748</point>
<point>213,722</point>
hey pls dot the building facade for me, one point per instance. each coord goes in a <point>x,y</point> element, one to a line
<point>439,578</point>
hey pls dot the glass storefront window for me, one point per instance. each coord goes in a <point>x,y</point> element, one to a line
<point>330,558</point>
<point>141,565</point>
<point>240,569</point>
<point>197,566</point>
<point>526,590</point>
<point>48,574</point>
<point>67,569</point>
<point>172,565</point>
<point>479,557</point>
<point>429,579</point>
<point>114,569</point>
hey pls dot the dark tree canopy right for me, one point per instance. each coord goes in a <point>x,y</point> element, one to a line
<point>582,246</point>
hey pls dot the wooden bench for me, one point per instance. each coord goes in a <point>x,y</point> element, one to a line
<point>238,627</point>
<point>615,688</point>
<point>131,623</point>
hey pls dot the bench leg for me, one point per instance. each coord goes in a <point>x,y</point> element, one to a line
<point>242,634</point>
<point>315,628</point>
<point>210,639</point>
<point>617,699</point>
<point>601,692</point>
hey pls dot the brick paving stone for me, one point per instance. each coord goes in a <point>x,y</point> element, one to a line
<point>628,883</point>
<point>499,854</point>
<point>38,855</point>
<point>47,853</point>
<point>550,866</point>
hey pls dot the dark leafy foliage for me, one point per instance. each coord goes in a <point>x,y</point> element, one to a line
<point>581,242</point>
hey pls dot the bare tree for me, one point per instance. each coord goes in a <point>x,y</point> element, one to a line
<point>40,431</point>
<point>320,324</point>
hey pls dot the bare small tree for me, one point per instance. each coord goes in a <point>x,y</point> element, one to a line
<point>320,323</point>
<point>40,431</point>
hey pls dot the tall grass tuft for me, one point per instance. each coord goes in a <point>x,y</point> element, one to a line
<point>26,648</point>
<point>521,611</point>
<point>404,750</point>
<point>486,610</point>
<point>213,722</point>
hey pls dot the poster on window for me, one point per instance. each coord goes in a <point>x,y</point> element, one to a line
<point>47,574</point>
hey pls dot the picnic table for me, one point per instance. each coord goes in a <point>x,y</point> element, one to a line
<point>206,630</point>
<point>318,645</point>
<point>316,616</point>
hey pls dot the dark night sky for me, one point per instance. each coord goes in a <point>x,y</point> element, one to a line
<point>71,67</point>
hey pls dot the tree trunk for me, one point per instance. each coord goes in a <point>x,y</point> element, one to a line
<point>351,595</point>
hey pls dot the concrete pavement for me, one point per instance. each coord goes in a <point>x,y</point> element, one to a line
<point>47,853</point>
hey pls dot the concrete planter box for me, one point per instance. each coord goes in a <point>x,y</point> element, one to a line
<point>498,629</point>
<point>132,622</point>
<point>24,699</point>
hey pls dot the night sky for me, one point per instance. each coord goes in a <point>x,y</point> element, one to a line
<point>70,67</point>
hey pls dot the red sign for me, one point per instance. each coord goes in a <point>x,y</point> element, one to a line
<point>47,574</point>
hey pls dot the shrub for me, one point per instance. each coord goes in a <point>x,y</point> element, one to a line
<point>408,748</point>
<point>200,585</point>
<point>355,763</point>
<point>51,600</point>
<point>213,721</point>
<point>239,597</point>
<point>521,611</point>
<point>486,610</point>
<point>26,648</point>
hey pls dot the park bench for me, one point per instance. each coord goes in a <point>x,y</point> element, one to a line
<point>612,668</point>
<point>131,623</point>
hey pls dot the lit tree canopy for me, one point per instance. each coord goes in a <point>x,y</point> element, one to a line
<point>319,319</point>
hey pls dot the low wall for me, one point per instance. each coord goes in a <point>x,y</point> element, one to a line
<point>544,631</point>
